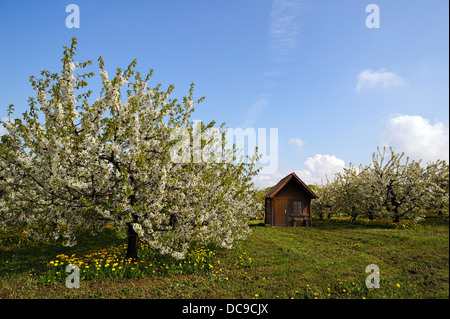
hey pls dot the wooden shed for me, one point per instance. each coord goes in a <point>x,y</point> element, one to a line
<point>289,203</point>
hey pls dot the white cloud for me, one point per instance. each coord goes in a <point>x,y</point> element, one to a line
<point>316,170</point>
<point>263,181</point>
<point>296,141</point>
<point>255,111</point>
<point>284,25</point>
<point>419,139</point>
<point>369,79</point>
<point>273,73</point>
<point>319,167</point>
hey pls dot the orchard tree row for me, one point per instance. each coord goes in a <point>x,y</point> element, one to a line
<point>392,187</point>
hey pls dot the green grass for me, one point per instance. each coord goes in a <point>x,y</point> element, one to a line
<point>327,260</point>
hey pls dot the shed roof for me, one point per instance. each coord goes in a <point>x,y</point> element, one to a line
<point>285,180</point>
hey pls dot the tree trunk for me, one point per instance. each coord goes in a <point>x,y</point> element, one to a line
<point>396,215</point>
<point>132,247</point>
<point>133,238</point>
<point>353,214</point>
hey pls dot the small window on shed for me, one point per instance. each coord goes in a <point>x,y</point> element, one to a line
<point>297,208</point>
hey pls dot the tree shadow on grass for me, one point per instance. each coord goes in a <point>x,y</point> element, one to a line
<point>339,225</point>
<point>257,223</point>
<point>33,257</point>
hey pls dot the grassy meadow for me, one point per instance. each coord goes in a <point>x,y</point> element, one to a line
<point>326,261</point>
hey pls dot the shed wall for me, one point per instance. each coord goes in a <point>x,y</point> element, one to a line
<point>283,200</point>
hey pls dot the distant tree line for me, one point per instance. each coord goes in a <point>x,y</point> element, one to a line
<point>390,187</point>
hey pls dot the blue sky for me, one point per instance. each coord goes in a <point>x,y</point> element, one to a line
<point>333,88</point>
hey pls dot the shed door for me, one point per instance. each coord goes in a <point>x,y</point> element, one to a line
<point>280,212</point>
